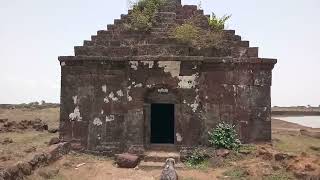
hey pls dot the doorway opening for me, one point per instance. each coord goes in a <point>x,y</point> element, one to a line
<point>162,123</point>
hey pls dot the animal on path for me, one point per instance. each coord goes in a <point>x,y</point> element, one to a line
<point>169,173</point>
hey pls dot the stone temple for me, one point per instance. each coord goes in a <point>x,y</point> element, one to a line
<point>131,91</point>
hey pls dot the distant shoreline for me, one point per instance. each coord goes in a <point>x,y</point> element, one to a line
<point>296,111</point>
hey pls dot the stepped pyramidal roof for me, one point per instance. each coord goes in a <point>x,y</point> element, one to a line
<point>119,43</point>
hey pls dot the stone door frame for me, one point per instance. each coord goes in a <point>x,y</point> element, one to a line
<point>158,95</point>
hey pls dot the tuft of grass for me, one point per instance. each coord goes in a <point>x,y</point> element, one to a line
<point>247,149</point>
<point>216,23</point>
<point>198,159</point>
<point>236,173</point>
<point>186,33</point>
<point>142,16</point>
<point>280,175</point>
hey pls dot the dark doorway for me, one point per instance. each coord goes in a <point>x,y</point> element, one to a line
<point>162,123</point>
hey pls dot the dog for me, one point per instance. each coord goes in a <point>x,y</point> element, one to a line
<point>169,173</point>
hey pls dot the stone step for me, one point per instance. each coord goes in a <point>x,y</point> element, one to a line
<point>158,165</point>
<point>162,40</point>
<point>161,156</point>
<point>137,50</point>
<point>163,147</point>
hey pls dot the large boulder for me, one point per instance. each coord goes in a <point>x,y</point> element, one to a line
<point>127,160</point>
<point>56,151</point>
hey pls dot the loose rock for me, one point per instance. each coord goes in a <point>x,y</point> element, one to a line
<point>26,168</point>
<point>53,130</point>
<point>3,120</point>
<point>7,141</point>
<point>222,152</point>
<point>30,150</point>
<point>54,140</point>
<point>127,160</point>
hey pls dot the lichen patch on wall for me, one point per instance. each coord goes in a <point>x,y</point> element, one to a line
<point>188,82</point>
<point>97,122</point>
<point>104,88</point>
<point>195,104</point>
<point>179,137</point>
<point>75,116</point>
<point>113,97</point>
<point>172,67</point>
<point>106,100</point>
<point>138,85</point>
<point>120,93</point>
<point>75,99</point>
<point>134,65</point>
<point>110,118</point>
<point>149,63</point>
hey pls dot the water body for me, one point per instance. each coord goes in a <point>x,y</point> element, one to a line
<point>309,121</point>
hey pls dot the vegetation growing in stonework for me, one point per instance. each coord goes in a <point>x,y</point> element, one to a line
<point>187,33</point>
<point>142,16</point>
<point>224,136</point>
<point>216,23</point>
<point>190,33</point>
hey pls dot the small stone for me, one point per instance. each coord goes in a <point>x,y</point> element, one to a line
<point>276,167</point>
<point>265,154</point>
<point>26,168</point>
<point>3,120</point>
<point>216,162</point>
<point>53,130</point>
<point>127,160</point>
<point>222,152</point>
<point>5,158</point>
<point>281,156</point>
<point>76,147</point>
<point>309,167</point>
<point>54,140</point>
<point>30,150</point>
<point>7,141</point>
<point>315,148</point>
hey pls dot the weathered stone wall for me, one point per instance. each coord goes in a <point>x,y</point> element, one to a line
<point>106,104</point>
<point>109,85</point>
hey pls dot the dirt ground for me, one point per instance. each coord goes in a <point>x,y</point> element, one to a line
<point>286,138</point>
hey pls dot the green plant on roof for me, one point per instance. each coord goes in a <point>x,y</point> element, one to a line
<point>186,33</point>
<point>217,23</point>
<point>142,16</point>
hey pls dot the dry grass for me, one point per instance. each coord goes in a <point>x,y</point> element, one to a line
<point>26,139</point>
<point>295,144</point>
<point>21,142</point>
<point>49,115</point>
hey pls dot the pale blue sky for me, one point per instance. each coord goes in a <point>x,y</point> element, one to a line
<point>34,33</point>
